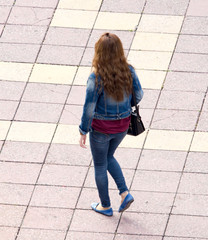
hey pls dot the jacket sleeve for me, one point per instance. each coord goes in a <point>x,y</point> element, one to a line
<point>89,105</point>
<point>137,87</point>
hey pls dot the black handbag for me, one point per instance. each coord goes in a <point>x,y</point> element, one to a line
<point>136,125</point>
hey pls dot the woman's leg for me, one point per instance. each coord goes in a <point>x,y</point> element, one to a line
<point>113,166</point>
<point>99,144</point>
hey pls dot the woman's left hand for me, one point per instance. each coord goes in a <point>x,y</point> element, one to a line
<point>82,141</point>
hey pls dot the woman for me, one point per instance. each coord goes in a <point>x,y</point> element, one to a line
<point>106,116</point>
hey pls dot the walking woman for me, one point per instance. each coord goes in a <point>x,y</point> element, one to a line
<point>106,116</point>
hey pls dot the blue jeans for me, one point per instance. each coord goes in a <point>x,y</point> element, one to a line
<point>103,147</point>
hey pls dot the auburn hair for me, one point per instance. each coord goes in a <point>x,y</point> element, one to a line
<point>111,66</point>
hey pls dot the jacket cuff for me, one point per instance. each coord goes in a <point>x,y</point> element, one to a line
<point>82,132</point>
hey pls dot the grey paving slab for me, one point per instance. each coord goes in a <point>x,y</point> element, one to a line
<point>146,115</point>
<point>48,218</point>
<point>50,196</point>
<point>4,13</point>
<point>205,106</point>
<point>70,155</point>
<point>195,25</point>
<point>8,232</point>
<point>1,28</point>
<point>48,93</point>
<point>198,8</point>
<point>175,100</point>
<point>30,16</point>
<point>87,57</point>
<point>24,152</point>
<point>6,2</point>
<point>67,36</point>
<point>187,204</point>
<point>23,173</point>
<point>40,234</point>
<point>193,183</point>
<point>77,95</point>
<point>60,55</point>
<point>121,6</point>
<point>187,62</point>
<point>180,238</point>
<point>11,216</point>
<point>39,112</point>
<point>8,109</point>
<point>89,236</point>
<point>37,3</point>
<point>72,176</point>
<point>162,160</point>
<point>141,223</point>
<point>18,52</point>
<point>15,193</point>
<point>23,34</point>
<point>137,237</point>
<point>93,222</point>
<point>192,44</point>
<point>125,36</point>
<point>1,143</point>
<point>197,162</point>
<point>203,122</point>
<point>11,90</point>
<point>184,81</point>
<point>166,7</point>
<point>149,99</point>
<point>180,226</point>
<point>175,120</point>
<point>71,114</point>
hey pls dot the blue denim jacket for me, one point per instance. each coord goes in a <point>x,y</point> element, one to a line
<point>99,105</point>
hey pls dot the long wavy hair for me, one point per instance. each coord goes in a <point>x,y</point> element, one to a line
<point>110,64</point>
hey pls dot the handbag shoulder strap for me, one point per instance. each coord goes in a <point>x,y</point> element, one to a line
<point>134,100</point>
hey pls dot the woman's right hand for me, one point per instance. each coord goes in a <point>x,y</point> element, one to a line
<point>82,141</point>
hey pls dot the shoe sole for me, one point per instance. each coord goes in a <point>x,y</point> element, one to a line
<point>127,206</point>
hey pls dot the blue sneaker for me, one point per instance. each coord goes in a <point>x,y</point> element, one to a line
<point>128,200</point>
<point>107,212</point>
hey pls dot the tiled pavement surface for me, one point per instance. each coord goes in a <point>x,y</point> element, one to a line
<point>46,179</point>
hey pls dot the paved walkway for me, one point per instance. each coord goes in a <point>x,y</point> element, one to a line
<point>46,179</point>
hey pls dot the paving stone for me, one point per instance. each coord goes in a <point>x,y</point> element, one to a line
<point>70,155</point>
<point>30,16</point>
<point>89,236</point>
<point>15,193</point>
<point>4,128</point>
<point>62,175</point>
<point>175,100</point>
<point>121,6</point>
<point>136,237</point>
<point>203,122</point>
<point>23,34</point>
<point>179,238</point>
<point>1,28</point>
<point>200,142</point>
<point>93,222</point>
<point>146,115</point>
<point>79,4</point>
<point>8,233</point>
<point>8,109</point>
<point>81,76</point>
<point>77,95</point>
<point>162,160</point>
<point>19,172</point>
<point>11,216</point>
<point>156,181</point>
<point>39,112</point>
<point>198,8</point>
<point>141,223</point>
<point>24,152</point>
<point>192,44</point>
<point>37,3</point>
<point>188,204</point>
<point>50,196</point>
<point>48,218</point>
<point>1,143</point>
<point>166,7</point>
<point>67,36</point>
<point>71,114</point>
<point>149,99</point>
<point>180,226</point>
<point>4,13</point>
<point>49,93</point>
<point>184,81</point>
<point>87,57</point>
<point>195,25</point>
<point>193,183</point>
<point>197,162</point>
<point>40,234</point>
<point>60,55</point>
<point>125,37</point>
<point>18,52</point>
<point>205,106</point>
<point>174,120</point>
<point>6,2</point>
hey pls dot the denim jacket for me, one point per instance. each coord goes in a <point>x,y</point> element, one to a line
<point>99,105</point>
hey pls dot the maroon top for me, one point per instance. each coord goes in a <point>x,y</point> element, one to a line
<point>111,126</point>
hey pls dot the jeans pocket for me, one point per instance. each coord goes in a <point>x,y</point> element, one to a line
<point>98,136</point>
